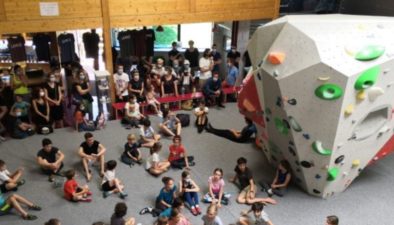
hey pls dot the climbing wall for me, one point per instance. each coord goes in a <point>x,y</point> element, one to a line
<point>321,93</point>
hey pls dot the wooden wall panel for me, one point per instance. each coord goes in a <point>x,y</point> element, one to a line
<point>48,25</point>
<point>2,11</point>
<point>148,7</point>
<point>232,5</point>
<point>17,10</point>
<point>130,21</point>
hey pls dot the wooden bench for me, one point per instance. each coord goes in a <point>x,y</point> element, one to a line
<point>119,106</point>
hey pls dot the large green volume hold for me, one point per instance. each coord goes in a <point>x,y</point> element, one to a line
<point>367,78</point>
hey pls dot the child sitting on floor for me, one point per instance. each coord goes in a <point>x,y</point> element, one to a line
<point>110,183</point>
<point>81,123</point>
<point>74,192</point>
<point>8,181</point>
<point>212,218</point>
<point>216,192</point>
<point>201,113</point>
<point>153,164</point>
<point>260,216</point>
<point>120,212</point>
<point>131,152</point>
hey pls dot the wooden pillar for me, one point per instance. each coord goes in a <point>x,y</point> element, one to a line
<point>2,11</point>
<point>276,9</point>
<point>108,46</point>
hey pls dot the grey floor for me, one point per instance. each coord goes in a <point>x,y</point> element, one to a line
<point>368,201</point>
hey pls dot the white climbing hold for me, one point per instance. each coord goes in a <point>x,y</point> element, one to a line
<point>374,93</point>
<point>323,78</point>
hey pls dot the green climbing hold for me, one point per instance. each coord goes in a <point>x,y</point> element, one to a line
<point>294,124</point>
<point>281,126</point>
<point>329,91</point>
<point>332,174</point>
<point>367,78</point>
<point>318,147</point>
<point>370,52</point>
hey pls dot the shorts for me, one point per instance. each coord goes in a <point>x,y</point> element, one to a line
<point>244,192</point>
<point>107,187</point>
<point>3,187</point>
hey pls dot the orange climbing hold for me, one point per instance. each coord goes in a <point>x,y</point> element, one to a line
<point>276,57</point>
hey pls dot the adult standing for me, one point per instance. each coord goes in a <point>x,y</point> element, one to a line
<point>217,59</point>
<point>192,55</point>
<point>206,66</point>
<point>91,151</point>
<point>50,159</point>
<point>54,96</point>
<point>82,92</point>
<point>19,83</point>
<point>174,54</point>
<point>235,55</point>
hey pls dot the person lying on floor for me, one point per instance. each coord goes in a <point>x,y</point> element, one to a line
<point>242,136</point>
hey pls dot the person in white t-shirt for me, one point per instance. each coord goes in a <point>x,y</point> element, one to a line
<point>158,68</point>
<point>133,116</point>
<point>8,181</point>
<point>201,113</point>
<point>206,65</point>
<point>121,80</point>
<point>259,216</point>
<point>153,164</point>
<point>148,135</point>
<point>110,183</point>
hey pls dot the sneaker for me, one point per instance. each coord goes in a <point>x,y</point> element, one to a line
<point>29,217</point>
<point>145,210</point>
<point>221,106</point>
<point>35,208</point>
<point>51,178</point>
<point>85,200</point>
<point>21,182</point>
<point>89,193</point>
<point>192,163</point>
<point>123,195</point>
<point>2,138</point>
<point>198,210</point>
<point>105,194</point>
<point>194,211</point>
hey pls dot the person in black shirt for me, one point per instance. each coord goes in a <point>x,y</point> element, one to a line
<point>169,84</point>
<point>91,151</point>
<point>150,41</point>
<point>217,59</point>
<point>213,91</point>
<point>131,152</point>
<point>42,41</point>
<point>50,159</point>
<point>173,54</point>
<point>235,55</point>
<point>136,86</point>
<point>246,184</point>
<point>243,136</point>
<point>192,55</point>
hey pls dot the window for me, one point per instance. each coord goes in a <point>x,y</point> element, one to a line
<point>166,37</point>
<point>200,33</point>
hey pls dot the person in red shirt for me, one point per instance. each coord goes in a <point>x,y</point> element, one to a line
<point>178,157</point>
<point>73,192</point>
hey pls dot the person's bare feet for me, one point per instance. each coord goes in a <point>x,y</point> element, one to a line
<point>89,177</point>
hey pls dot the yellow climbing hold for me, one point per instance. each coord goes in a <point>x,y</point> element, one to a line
<point>323,78</point>
<point>355,163</point>
<point>361,95</point>
<point>349,110</point>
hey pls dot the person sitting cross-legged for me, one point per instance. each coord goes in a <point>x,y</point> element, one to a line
<point>50,159</point>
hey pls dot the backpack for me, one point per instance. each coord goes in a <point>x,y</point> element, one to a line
<point>184,118</point>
